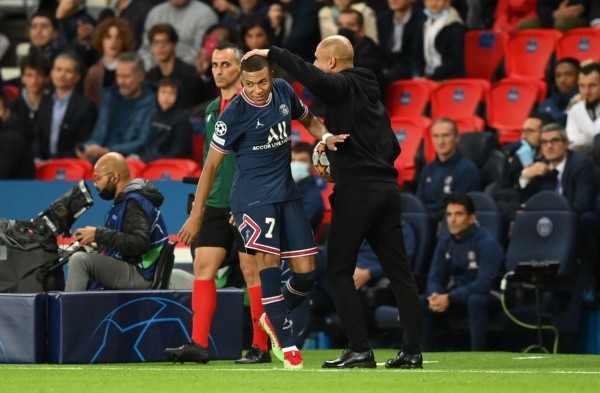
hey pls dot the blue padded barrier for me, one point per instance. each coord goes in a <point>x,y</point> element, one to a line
<point>22,328</point>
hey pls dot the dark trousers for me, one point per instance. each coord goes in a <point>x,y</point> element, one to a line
<point>371,211</point>
<point>480,308</point>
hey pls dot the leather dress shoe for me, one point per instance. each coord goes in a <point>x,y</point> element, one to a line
<point>403,360</point>
<point>351,359</point>
<point>255,356</point>
<point>189,352</point>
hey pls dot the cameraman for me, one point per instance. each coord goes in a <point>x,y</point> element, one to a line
<point>130,244</point>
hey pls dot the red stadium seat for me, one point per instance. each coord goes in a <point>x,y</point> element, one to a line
<point>408,98</point>
<point>484,49</point>
<point>410,132</point>
<point>459,100</point>
<point>306,96</point>
<point>198,147</point>
<point>510,102</point>
<point>301,134</point>
<point>10,92</point>
<point>136,167</point>
<point>72,169</point>
<point>582,44</point>
<point>529,51</point>
<point>170,169</point>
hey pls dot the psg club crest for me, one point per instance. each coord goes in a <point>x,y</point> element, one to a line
<point>283,109</point>
<point>220,128</point>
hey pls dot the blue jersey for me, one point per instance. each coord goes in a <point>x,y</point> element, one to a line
<point>262,139</point>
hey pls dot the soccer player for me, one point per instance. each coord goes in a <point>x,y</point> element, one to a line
<point>264,199</point>
<point>218,236</point>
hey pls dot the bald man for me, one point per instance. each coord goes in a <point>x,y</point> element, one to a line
<point>129,244</point>
<point>366,198</point>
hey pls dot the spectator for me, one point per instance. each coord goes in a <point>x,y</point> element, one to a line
<point>191,19</point>
<point>449,173</point>
<point>439,51</point>
<point>513,15</point>
<point>171,134</point>
<point>256,32</point>
<point>566,73</point>
<point>111,38</point>
<point>124,120</point>
<point>464,277</point>
<point>562,15</point>
<point>367,53</point>
<point>16,154</point>
<point>163,40</point>
<point>232,14</point>
<point>43,35</point>
<point>281,22</point>
<point>34,79</point>
<point>583,119</point>
<point>594,16</point>
<point>304,31</point>
<point>566,172</point>
<point>480,13</point>
<point>4,44</point>
<point>65,117</point>
<point>398,27</point>
<point>75,27</point>
<point>130,243</point>
<point>312,201</point>
<point>134,12</point>
<point>329,15</point>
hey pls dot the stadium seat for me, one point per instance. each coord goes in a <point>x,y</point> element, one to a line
<point>482,148</point>
<point>529,52</point>
<point>71,169</point>
<point>164,266</point>
<point>582,44</point>
<point>198,147</point>
<point>170,169</point>
<point>410,132</point>
<point>460,100</point>
<point>301,134</point>
<point>510,102</point>
<point>484,49</point>
<point>306,96</point>
<point>408,97</point>
<point>11,93</point>
<point>546,231</point>
<point>136,167</point>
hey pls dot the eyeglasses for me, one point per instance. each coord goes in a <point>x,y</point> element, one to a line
<point>553,141</point>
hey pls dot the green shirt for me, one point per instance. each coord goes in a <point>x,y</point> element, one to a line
<point>219,195</point>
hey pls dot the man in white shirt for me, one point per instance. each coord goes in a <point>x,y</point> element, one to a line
<point>583,119</point>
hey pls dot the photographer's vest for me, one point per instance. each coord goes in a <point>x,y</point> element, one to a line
<point>158,232</point>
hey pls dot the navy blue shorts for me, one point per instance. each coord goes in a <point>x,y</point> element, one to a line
<point>280,228</point>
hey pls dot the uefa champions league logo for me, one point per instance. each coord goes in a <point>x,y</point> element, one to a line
<point>3,356</point>
<point>220,128</point>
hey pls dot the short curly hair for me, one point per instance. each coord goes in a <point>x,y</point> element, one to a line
<point>125,33</point>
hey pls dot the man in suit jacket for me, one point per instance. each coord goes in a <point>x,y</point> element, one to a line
<point>65,117</point>
<point>397,29</point>
<point>568,173</point>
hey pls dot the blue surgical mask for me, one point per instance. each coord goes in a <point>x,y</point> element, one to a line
<point>437,15</point>
<point>300,170</point>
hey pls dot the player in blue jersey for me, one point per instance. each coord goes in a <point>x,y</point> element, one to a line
<point>265,201</point>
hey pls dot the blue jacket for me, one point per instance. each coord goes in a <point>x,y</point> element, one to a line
<point>136,127</point>
<point>473,263</point>
<point>556,105</point>
<point>312,201</point>
<point>440,179</point>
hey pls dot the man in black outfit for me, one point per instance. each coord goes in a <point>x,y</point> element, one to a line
<point>366,199</point>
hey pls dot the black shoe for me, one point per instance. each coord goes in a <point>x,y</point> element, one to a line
<point>190,352</point>
<point>254,356</point>
<point>351,359</point>
<point>403,360</point>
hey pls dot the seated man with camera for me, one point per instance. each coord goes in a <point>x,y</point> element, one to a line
<point>130,243</point>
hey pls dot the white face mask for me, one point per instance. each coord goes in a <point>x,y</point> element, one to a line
<point>300,170</point>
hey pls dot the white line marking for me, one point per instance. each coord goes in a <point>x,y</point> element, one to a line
<point>529,357</point>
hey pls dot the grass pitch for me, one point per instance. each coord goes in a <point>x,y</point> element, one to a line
<point>443,372</point>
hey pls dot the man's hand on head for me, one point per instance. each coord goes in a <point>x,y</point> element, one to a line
<point>256,52</point>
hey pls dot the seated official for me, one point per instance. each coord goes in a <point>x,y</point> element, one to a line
<point>464,276</point>
<point>312,201</point>
<point>130,243</point>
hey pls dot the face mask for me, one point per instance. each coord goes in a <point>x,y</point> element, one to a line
<point>349,34</point>
<point>437,15</point>
<point>108,193</point>
<point>300,170</point>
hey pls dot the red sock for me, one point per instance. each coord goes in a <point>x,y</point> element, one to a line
<point>260,338</point>
<point>204,302</point>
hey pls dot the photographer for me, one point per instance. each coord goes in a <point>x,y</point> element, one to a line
<point>130,243</point>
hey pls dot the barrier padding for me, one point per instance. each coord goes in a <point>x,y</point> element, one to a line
<point>136,326</point>
<point>22,328</point>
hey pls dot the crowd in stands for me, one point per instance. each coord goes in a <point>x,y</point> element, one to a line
<point>130,81</point>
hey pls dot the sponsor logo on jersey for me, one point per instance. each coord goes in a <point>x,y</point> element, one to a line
<point>277,137</point>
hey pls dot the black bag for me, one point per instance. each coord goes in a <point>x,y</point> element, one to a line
<point>25,258</point>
